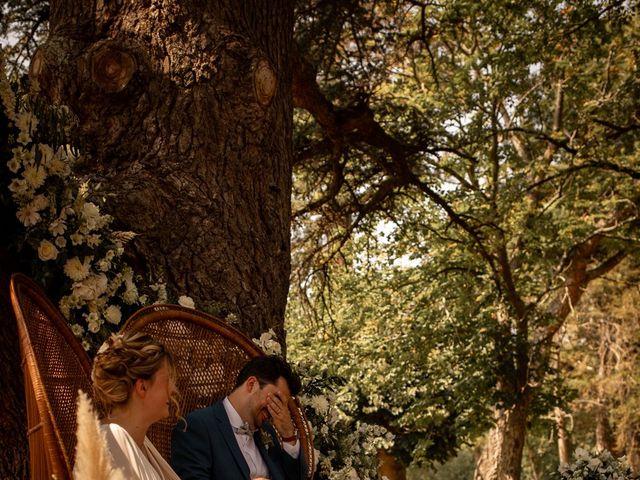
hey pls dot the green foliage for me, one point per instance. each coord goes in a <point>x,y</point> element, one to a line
<point>23,25</point>
<point>516,135</point>
<point>406,362</point>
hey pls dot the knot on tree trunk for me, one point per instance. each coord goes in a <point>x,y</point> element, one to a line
<point>111,68</point>
<point>265,82</point>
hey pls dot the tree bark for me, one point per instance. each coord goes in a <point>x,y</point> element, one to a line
<point>604,433</point>
<point>501,456</point>
<point>564,438</point>
<point>632,452</point>
<point>185,117</point>
<point>390,467</point>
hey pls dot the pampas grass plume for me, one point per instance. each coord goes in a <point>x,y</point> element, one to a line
<point>92,457</point>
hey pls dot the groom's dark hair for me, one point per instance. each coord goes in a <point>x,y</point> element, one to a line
<point>267,369</point>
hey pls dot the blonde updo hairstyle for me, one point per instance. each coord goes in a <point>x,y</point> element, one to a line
<point>120,362</point>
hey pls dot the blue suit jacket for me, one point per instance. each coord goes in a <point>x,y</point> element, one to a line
<point>208,450</point>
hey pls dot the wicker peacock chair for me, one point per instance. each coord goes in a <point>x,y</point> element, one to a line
<point>55,367</point>
<point>208,354</point>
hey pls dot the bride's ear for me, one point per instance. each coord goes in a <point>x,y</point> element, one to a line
<point>140,388</point>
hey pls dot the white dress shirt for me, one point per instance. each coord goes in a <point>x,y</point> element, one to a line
<point>257,465</point>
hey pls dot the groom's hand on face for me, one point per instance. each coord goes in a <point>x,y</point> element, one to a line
<point>278,406</point>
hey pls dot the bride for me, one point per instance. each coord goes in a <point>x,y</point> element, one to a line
<point>134,386</point>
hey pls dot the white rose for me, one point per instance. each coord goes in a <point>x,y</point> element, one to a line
<point>94,327</point>
<point>186,301</point>
<point>47,251</point>
<point>90,211</point>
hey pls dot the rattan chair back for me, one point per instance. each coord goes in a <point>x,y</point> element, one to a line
<point>55,367</point>
<point>208,354</point>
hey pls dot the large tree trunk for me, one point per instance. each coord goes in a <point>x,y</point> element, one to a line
<point>501,456</point>
<point>185,114</point>
<point>390,467</point>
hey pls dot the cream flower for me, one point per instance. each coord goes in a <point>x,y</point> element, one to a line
<point>94,325</point>
<point>90,210</point>
<point>40,202</point>
<point>65,307</point>
<point>77,270</point>
<point>57,227</point>
<point>113,314</point>
<point>130,295</point>
<point>27,157</point>
<point>28,215</point>
<point>61,242</point>
<point>23,137</point>
<point>91,287</point>
<point>186,301</point>
<point>320,404</point>
<point>93,240</point>
<point>104,265</point>
<point>47,251</point>
<point>58,167</point>
<point>27,122</point>
<point>78,330</point>
<point>14,165</point>
<point>18,186</point>
<point>76,238</point>
<point>35,176</point>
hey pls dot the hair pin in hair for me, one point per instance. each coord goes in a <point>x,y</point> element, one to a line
<point>114,340</point>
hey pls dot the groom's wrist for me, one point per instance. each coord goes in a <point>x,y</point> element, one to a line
<point>290,438</point>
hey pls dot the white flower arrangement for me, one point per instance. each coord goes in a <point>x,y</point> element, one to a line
<point>268,343</point>
<point>63,222</point>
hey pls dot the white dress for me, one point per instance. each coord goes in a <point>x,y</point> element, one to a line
<point>135,463</point>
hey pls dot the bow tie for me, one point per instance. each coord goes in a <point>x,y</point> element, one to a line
<point>244,430</point>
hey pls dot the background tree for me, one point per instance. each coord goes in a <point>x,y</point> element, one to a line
<point>512,131</point>
<point>601,358</point>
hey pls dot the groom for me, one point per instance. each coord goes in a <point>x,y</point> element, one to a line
<point>222,442</point>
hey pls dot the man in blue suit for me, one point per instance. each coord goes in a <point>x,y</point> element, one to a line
<point>223,441</point>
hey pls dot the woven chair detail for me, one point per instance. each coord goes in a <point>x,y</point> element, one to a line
<point>55,367</point>
<point>209,355</point>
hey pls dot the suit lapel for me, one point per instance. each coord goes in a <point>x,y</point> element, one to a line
<point>273,468</point>
<point>229,437</point>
